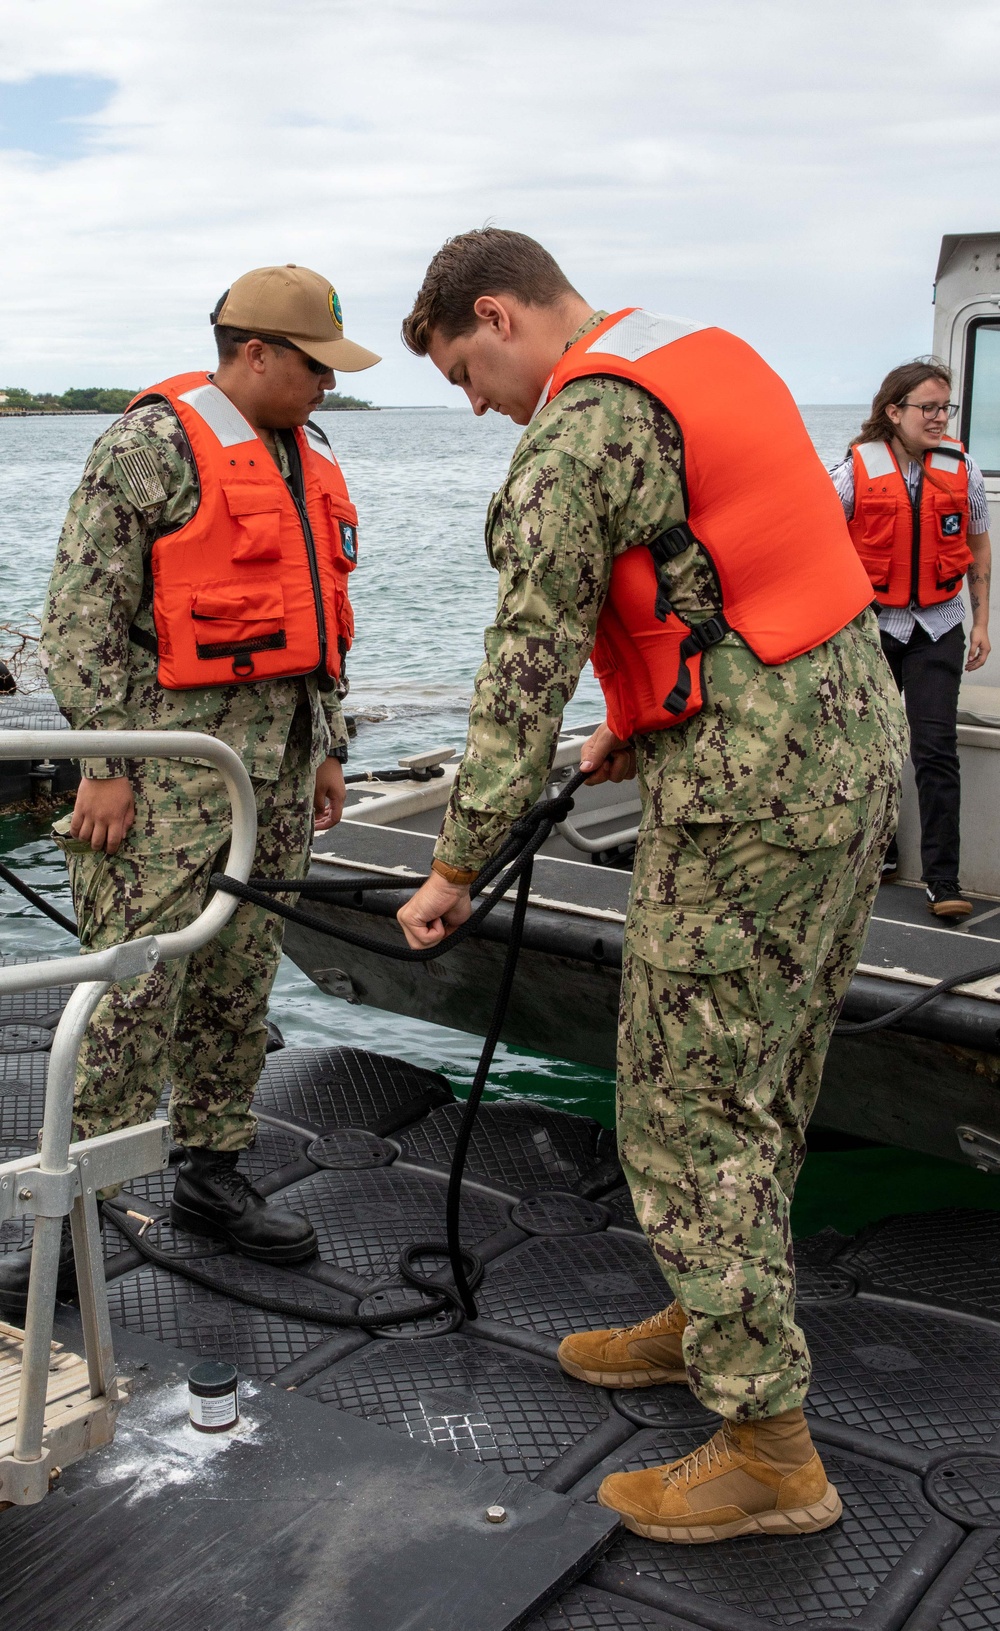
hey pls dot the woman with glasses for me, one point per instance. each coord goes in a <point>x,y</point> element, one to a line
<point>916,506</point>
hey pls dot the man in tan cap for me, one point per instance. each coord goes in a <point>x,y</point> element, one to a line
<point>200,583</point>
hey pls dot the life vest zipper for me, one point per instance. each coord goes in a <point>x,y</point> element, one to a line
<point>915,553</point>
<point>310,543</point>
<point>294,484</point>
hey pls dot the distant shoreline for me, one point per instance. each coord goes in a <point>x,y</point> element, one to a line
<point>53,413</point>
<point>101,413</point>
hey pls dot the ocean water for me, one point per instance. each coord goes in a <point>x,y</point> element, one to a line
<point>423,593</point>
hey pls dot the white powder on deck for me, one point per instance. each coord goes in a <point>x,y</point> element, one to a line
<point>157,1447</point>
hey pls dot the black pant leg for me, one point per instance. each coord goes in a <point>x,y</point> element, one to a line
<point>894,651</point>
<point>930,672</point>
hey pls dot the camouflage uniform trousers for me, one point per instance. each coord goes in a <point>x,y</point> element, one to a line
<point>199,1022</point>
<point>740,945</point>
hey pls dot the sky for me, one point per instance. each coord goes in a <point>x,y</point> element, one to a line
<point>784,168</point>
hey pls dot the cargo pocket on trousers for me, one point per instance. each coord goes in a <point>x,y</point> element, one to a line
<point>826,828</point>
<point>681,940</point>
<point>700,994</point>
<point>728,1287</point>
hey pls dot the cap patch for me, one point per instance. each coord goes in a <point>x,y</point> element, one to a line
<point>335,311</point>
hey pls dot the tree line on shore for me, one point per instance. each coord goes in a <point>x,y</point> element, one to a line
<point>114,399</point>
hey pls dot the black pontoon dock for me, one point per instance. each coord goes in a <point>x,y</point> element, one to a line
<point>356,1493</point>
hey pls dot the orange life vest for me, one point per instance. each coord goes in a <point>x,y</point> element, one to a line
<point>914,550</point>
<point>758,501</point>
<point>254,586</point>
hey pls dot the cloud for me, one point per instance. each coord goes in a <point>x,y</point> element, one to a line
<point>786,170</point>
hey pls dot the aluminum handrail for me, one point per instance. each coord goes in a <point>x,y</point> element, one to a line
<point>116,963</point>
<point>570,830</point>
<point>595,846</point>
<point>92,973</point>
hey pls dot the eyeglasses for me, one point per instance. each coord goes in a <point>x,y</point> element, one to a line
<point>312,363</point>
<point>932,410</point>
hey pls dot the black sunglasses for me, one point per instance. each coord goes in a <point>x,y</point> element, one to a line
<point>312,363</point>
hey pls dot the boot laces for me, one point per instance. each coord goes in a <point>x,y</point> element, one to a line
<point>231,1178</point>
<point>706,1458</point>
<point>650,1326</point>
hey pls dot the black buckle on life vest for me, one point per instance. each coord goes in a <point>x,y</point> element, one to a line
<point>148,642</point>
<point>704,635</point>
<point>671,543</point>
<point>666,548</point>
<point>700,638</point>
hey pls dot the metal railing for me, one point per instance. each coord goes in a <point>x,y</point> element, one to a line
<point>65,1178</point>
<point>571,830</point>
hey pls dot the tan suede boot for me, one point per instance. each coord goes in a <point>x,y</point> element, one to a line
<point>751,1478</point>
<point>639,1356</point>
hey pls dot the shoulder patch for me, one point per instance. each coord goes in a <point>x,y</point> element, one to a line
<point>139,478</point>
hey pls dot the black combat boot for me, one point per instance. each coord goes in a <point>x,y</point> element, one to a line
<point>212,1198</point>
<point>15,1270</point>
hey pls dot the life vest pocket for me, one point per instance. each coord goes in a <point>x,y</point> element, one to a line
<point>257,513</point>
<point>954,556</point>
<point>343,519</point>
<point>875,541</point>
<point>236,620</point>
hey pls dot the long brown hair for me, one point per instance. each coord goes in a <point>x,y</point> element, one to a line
<point>896,386</point>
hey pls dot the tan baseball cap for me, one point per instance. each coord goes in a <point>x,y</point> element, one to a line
<point>298,305</point>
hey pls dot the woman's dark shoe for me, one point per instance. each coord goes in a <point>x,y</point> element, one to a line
<point>946,899</point>
<point>211,1197</point>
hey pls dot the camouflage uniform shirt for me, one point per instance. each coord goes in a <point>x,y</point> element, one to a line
<point>597,472</point>
<point>141,480</point>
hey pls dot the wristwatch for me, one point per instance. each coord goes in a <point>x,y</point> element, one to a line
<point>339,753</point>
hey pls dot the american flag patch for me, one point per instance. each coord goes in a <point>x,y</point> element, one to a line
<point>139,478</point>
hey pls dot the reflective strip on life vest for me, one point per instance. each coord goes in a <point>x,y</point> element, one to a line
<point>318,442</point>
<point>876,458</point>
<point>640,333</point>
<point>945,456</point>
<point>220,415</point>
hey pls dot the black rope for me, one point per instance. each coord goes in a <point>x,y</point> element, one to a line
<point>896,1014</point>
<point>514,862</point>
<point>443,1296</point>
<point>35,899</point>
<point>517,854</point>
<point>462,1141</point>
<point>430,773</point>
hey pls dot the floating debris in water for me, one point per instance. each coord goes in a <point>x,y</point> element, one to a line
<point>20,656</point>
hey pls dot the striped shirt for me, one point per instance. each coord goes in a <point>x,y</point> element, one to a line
<point>899,621</point>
